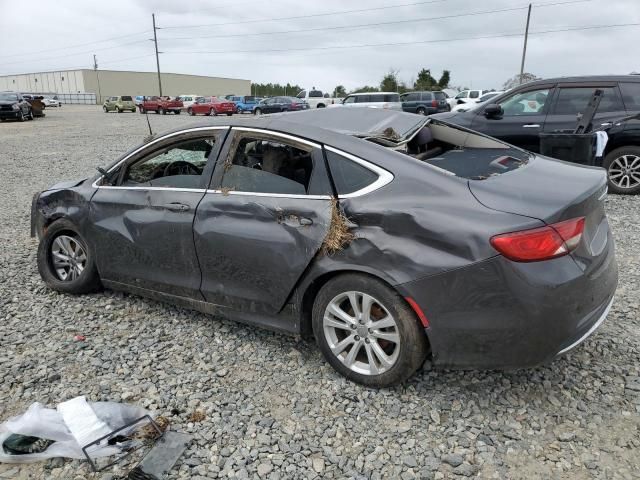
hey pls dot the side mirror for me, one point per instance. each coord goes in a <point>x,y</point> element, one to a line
<point>493,110</point>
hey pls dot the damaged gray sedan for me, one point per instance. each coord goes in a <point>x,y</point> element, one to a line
<point>387,236</point>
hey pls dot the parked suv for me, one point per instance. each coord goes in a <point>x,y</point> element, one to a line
<point>520,115</point>
<point>14,105</point>
<point>119,104</point>
<point>424,103</point>
<point>389,100</point>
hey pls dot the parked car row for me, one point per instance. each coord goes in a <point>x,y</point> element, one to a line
<point>15,106</point>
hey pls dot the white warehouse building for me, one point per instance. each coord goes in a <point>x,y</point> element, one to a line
<point>93,86</point>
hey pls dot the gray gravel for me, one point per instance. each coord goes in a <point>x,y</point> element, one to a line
<point>273,408</point>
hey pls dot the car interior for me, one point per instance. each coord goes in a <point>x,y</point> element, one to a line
<point>265,166</point>
<point>462,153</point>
<point>178,166</point>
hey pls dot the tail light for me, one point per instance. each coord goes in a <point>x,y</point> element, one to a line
<point>434,103</point>
<point>542,243</point>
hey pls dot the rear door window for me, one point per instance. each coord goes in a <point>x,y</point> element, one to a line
<point>572,101</point>
<point>411,97</point>
<point>376,98</point>
<point>348,176</point>
<point>631,96</point>
<point>440,95</point>
<point>363,99</point>
<point>474,94</point>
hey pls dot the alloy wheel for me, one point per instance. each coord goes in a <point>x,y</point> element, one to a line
<point>68,258</point>
<point>361,333</point>
<point>624,171</point>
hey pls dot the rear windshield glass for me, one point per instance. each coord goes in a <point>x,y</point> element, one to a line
<point>126,98</point>
<point>440,95</point>
<point>315,94</point>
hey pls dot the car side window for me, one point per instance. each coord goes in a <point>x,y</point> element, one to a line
<point>348,176</point>
<point>462,95</point>
<point>474,94</point>
<point>350,100</point>
<point>572,101</point>
<point>531,102</point>
<point>178,166</point>
<point>631,96</point>
<point>261,164</point>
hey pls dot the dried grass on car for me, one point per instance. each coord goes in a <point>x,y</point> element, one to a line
<point>339,235</point>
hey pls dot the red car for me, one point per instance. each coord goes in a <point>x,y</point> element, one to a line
<point>161,105</point>
<point>212,106</point>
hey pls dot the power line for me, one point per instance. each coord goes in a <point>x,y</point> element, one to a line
<point>77,45</point>
<point>379,24</point>
<point>30,60</point>
<point>262,20</point>
<point>419,42</point>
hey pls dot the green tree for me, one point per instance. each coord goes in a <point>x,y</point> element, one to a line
<point>445,78</point>
<point>365,89</point>
<point>519,80</point>
<point>339,91</point>
<point>389,82</point>
<point>425,80</point>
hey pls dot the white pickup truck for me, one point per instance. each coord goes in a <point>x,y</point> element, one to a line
<point>316,99</point>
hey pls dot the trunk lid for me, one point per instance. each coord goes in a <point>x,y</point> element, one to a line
<point>552,191</point>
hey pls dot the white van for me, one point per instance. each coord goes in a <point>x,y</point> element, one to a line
<point>389,100</point>
<point>188,100</point>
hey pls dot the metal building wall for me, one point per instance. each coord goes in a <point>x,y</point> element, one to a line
<point>112,82</point>
<point>67,81</point>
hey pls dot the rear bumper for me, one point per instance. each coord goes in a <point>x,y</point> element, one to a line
<point>503,314</point>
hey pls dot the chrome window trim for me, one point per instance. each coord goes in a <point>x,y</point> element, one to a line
<point>274,195</point>
<point>278,134</point>
<point>147,145</point>
<point>166,189</point>
<point>384,176</point>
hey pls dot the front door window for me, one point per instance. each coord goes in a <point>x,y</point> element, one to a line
<point>531,102</point>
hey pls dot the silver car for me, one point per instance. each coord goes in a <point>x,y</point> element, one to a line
<point>388,100</point>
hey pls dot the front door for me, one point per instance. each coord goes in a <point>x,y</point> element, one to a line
<point>143,223</point>
<point>523,118</point>
<point>264,221</point>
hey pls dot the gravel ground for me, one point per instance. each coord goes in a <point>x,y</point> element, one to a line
<point>272,407</point>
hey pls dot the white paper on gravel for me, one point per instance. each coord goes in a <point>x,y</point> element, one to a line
<point>74,424</point>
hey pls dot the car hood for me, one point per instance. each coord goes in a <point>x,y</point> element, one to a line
<point>66,184</point>
<point>8,102</point>
<point>393,127</point>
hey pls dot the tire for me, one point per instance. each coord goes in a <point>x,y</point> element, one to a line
<point>321,105</point>
<point>118,110</point>
<point>404,356</point>
<point>229,114</point>
<point>623,170</point>
<point>177,112</point>
<point>421,111</point>
<point>22,116</point>
<point>142,110</point>
<point>257,111</point>
<point>30,115</point>
<point>161,111</point>
<point>87,280</point>
<point>105,109</point>
<point>212,112</point>
<point>190,111</point>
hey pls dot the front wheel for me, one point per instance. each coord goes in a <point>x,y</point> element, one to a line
<point>161,111</point>
<point>229,114</point>
<point>257,111</point>
<point>368,332</point>
<point>212,112</point>
<point>65,262</point>
<point>118,110</point>
<point>105,109</point>
<point>30,115</point>
<point>177,112</point>
<point>623,170</point>
<point>142,110</point>
<point>190,111</point>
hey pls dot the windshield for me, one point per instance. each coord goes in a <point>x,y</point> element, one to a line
<point>8,97</point>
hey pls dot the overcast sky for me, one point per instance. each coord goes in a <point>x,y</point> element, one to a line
<point>49,35</point>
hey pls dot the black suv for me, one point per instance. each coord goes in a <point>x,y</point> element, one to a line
<point>520,115</point>
<point>13,105</point>
<point>424,103</point>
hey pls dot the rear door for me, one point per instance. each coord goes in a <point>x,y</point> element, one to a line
<point>572,100</point>
<point>142,224</point>
<point>524,115</point>
<point>263,220</point>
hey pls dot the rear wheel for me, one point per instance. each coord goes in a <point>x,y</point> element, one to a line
<point>65,261</point>
<point>257,111</point>
<point>22,117</point>
<point>161,111</point>
<point>142,110</point>
<point>421,111</point>
<point>118,110</point>
<point>177,112</point>
<point>367,332</point>
<point>30,115</point>
<point>229,114</point>
<point>105,109</point>
<point>212,112</point>
<point>190,111</point>
<point>623,170</point>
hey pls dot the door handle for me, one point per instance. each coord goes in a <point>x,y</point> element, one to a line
<point>531,125</point>
<point>606,124</point>
<point>176,207</point>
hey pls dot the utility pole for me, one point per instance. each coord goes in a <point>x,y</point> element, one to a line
<point>95,67</point>
<point>524,48</point>
<point>155,42</point>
